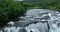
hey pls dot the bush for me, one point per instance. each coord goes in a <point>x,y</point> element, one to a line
<point>10,10</point>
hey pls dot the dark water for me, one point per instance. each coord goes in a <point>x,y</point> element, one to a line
<point>36,20</point>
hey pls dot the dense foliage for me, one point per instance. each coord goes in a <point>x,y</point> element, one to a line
<point>43,4</point>
<point>10,10</point>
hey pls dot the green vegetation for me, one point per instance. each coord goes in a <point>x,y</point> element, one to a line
<point>43,4</point>
<point>10,10</point>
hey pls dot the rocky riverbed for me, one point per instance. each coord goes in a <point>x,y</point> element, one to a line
<point>36,20</point>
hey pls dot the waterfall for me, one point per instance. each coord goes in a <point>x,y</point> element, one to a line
<point>36,20</point>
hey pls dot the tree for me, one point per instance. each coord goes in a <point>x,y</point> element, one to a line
<point>10,10</point>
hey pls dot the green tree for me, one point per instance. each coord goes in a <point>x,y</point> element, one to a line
<point>10,10</point>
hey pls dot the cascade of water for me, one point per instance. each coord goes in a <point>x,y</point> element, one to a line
<point>12,29</point>
<point>36,20</point>
<point>54,24</point>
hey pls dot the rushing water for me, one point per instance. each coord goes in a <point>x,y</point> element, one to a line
<point>36,20</point>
